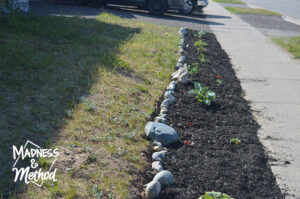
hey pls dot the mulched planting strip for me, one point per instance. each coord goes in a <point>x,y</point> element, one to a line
<point>212,163</point>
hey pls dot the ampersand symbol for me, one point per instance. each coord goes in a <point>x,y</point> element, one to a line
<point>34,164</point>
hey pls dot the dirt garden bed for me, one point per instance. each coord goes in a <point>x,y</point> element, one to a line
<point>210,162</point>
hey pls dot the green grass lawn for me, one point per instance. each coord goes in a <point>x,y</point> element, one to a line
<point>237,10</point>
<point>291,44</point>
<point>230,1</point>
<point>85,86</point>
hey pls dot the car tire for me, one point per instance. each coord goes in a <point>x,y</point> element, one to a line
<point>97,3</point>
<point>189,7</point>
<point>78,2</point>
<point>157,7</point>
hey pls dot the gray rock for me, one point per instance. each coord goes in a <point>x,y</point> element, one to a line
<point>168,92</point>
<point>166,103</point>
<point>159,148</point>
<point>153,189</point>
<point>156,165</point>
<point>182,31</point>
<point>181,75</point>
<point>182,46</point>
<point>162,115</point>
<point>182,41</point>
<point>179,65</point>
<point>171,86</point>
<point>165,178</point>
<point>181,59</point>
<point>163,110</point>
<point>160,120</point>
<point>181,51</point>
<point>170,97</point>
<point>157,143</point>
<point>159,156</point>
<point>161,133</point>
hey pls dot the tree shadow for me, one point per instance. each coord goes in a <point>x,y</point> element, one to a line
<point>47,66</point>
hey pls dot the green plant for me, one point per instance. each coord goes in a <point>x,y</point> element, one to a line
<point>200,45</point>
<point>91,158</point>
<point>45,163</point>
<point>219,81</point>
<point>235,141</point>
<point>215,195</point>
<point>203,94</point>
<point>111,196</point>
<point>200,33</point>
<point>193,70</point>
<point>202,58</point>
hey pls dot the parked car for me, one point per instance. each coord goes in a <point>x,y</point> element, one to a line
<point>155,7</point>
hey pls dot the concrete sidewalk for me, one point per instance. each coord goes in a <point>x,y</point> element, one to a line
<point>271,79</point>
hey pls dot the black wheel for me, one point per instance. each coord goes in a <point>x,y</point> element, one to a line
<point>189,7</point>
<point>97,3</point>
<point>141,7</point>
<point>77,2</point>
<point>157,7</point>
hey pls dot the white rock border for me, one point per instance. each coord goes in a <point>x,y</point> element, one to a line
<point>164,178</point>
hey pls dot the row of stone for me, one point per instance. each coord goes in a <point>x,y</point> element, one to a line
<point>162,134</point>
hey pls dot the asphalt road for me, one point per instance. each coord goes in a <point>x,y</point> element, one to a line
<point>271,25</point>
<point>290,8</point>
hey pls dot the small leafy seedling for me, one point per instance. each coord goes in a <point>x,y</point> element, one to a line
<point>215,195</point>
<point>193,70</point>
<point>219,80</point>
<point>203,94</point>
<point>235,141</point>
<point>202,59</point>
<point>200,33</point>
<point>200,45</point>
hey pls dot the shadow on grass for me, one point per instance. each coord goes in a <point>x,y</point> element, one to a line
<point>47,67</point>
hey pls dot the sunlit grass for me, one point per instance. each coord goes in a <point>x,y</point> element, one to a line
<point>238,10</point>
<point>230,1</point>
<point>291,44</point>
